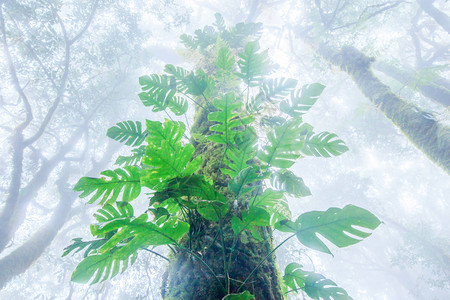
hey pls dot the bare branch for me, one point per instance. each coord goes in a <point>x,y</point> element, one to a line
<point>13,73</point>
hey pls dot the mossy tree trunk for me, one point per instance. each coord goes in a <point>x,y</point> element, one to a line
<point>419,126</point>
<point>187,277</point>
<point>437,89</point>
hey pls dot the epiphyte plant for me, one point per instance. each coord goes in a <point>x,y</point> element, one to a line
<point>217,189</point>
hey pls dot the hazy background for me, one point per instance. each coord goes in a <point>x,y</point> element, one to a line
<point>77,64</point>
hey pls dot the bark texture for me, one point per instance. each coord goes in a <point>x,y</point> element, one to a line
<point>440,17</point>
<point>187,278</point>
<point>421,128</point>
<point>437,89</point>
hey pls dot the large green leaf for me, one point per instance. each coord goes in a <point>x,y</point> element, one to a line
<point>274,203</point>
<point>139,233</point>
<point>168,161</point>
<point>315,285</point>
<point>111,185</point>
<point>251,219</point>
<point>253,64</point>
<point>170,132</point>
<point>108,213</point>
<point>285,143</point>
<point>324,144</point>
<point>100,267</point>
<point>342,227</point>
<point>278,88</point>
<point>225,60</point>
<point>240,154</point>
<point>239,184</point>
<point>134,159</point>
<point>78,245</point>
<point>158,90</point>
<point>302,100</point>
<point>285,180</point>
<point>128,132</point>
<point>196,193</point>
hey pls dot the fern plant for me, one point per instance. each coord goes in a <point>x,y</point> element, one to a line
<point>217,196</point>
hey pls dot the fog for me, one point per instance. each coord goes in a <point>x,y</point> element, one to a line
<point>70,70</point>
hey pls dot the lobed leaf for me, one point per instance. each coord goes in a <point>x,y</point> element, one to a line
<point>109,187</point>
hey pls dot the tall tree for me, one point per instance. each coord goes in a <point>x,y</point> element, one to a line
<point>209,201</point>
<point>424,130</point>
<point>57,71</point>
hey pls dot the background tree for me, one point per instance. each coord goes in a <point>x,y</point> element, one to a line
<point>383,171</point>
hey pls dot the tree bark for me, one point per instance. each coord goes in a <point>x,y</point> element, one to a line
<point>419,126</point>
<point>187,278</point>
<point>436,89</point>
<point>440,17</point>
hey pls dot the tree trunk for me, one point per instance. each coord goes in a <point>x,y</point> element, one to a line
<point>188,278</point>
<point>436,89</point>
<point>440,17</point>
<point>419,126</point>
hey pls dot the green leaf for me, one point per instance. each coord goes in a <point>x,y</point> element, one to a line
<point>79,245</point>
<point>225,60</point>
<point>227,119</point>
<point>324,144</point>
<point>288,182</point>
<point>279,88</point>
<point>315,285</point>
<point>158,91</point>
<point>242,296</point>
<point>178,105</point>
<point>109,187</point>
<point>168,162</point>
<point>212,210</point>
<point>127,132</point>
<point>274,203</point>
<point>253,64</point>
<point>138,233</point>
<point>334,225</point>
<point>239,155</point>
<point>170,132</point>
<point>133,160</point>
<point>109,213</point>
<point>101,267</point>
<point>285,143</point>
<point>255,216</point>
<point>302,100</point>
<point>219,22</point>
<point>201,195</point>
<point>240,33</point>
<point>238,185</point>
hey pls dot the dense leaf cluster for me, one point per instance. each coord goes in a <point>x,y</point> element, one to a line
<point>167,164</point>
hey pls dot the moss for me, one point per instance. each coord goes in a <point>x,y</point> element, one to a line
<point>420,127</point>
